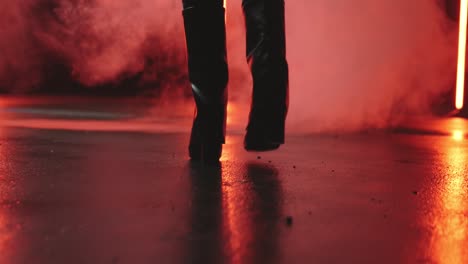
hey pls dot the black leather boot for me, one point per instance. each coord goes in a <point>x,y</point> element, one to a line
<point>266,55</point>
<point>208,72</point>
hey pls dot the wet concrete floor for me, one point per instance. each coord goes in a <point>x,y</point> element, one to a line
<point>99,187</point>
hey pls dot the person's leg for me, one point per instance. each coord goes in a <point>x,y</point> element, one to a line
<point>207,66</point>
<point>266,55</point>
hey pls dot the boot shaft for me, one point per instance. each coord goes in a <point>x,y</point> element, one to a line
<point>206,51</point>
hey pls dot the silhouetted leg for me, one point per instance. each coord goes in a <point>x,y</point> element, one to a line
<point>207,65</point>
<point>266,55</point>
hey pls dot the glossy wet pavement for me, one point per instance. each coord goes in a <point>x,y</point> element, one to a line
<point>105,186</point>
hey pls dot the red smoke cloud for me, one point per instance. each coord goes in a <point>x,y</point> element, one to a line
<point>367,63</point>
<point>98,41</point>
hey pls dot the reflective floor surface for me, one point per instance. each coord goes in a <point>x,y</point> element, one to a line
<point>106,187</point>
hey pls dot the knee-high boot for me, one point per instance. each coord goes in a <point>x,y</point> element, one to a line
<point>208,73</point>
<point>266,55</point>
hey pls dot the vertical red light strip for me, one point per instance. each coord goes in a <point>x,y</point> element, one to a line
<point>459,100</point>
<point>225,10</point>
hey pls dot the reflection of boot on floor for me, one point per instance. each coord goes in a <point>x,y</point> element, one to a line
<point>266,54</point>
<point>206,243</point>
<point>208,73</point>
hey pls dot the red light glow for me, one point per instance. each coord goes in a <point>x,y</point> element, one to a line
<point>461,55</point>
